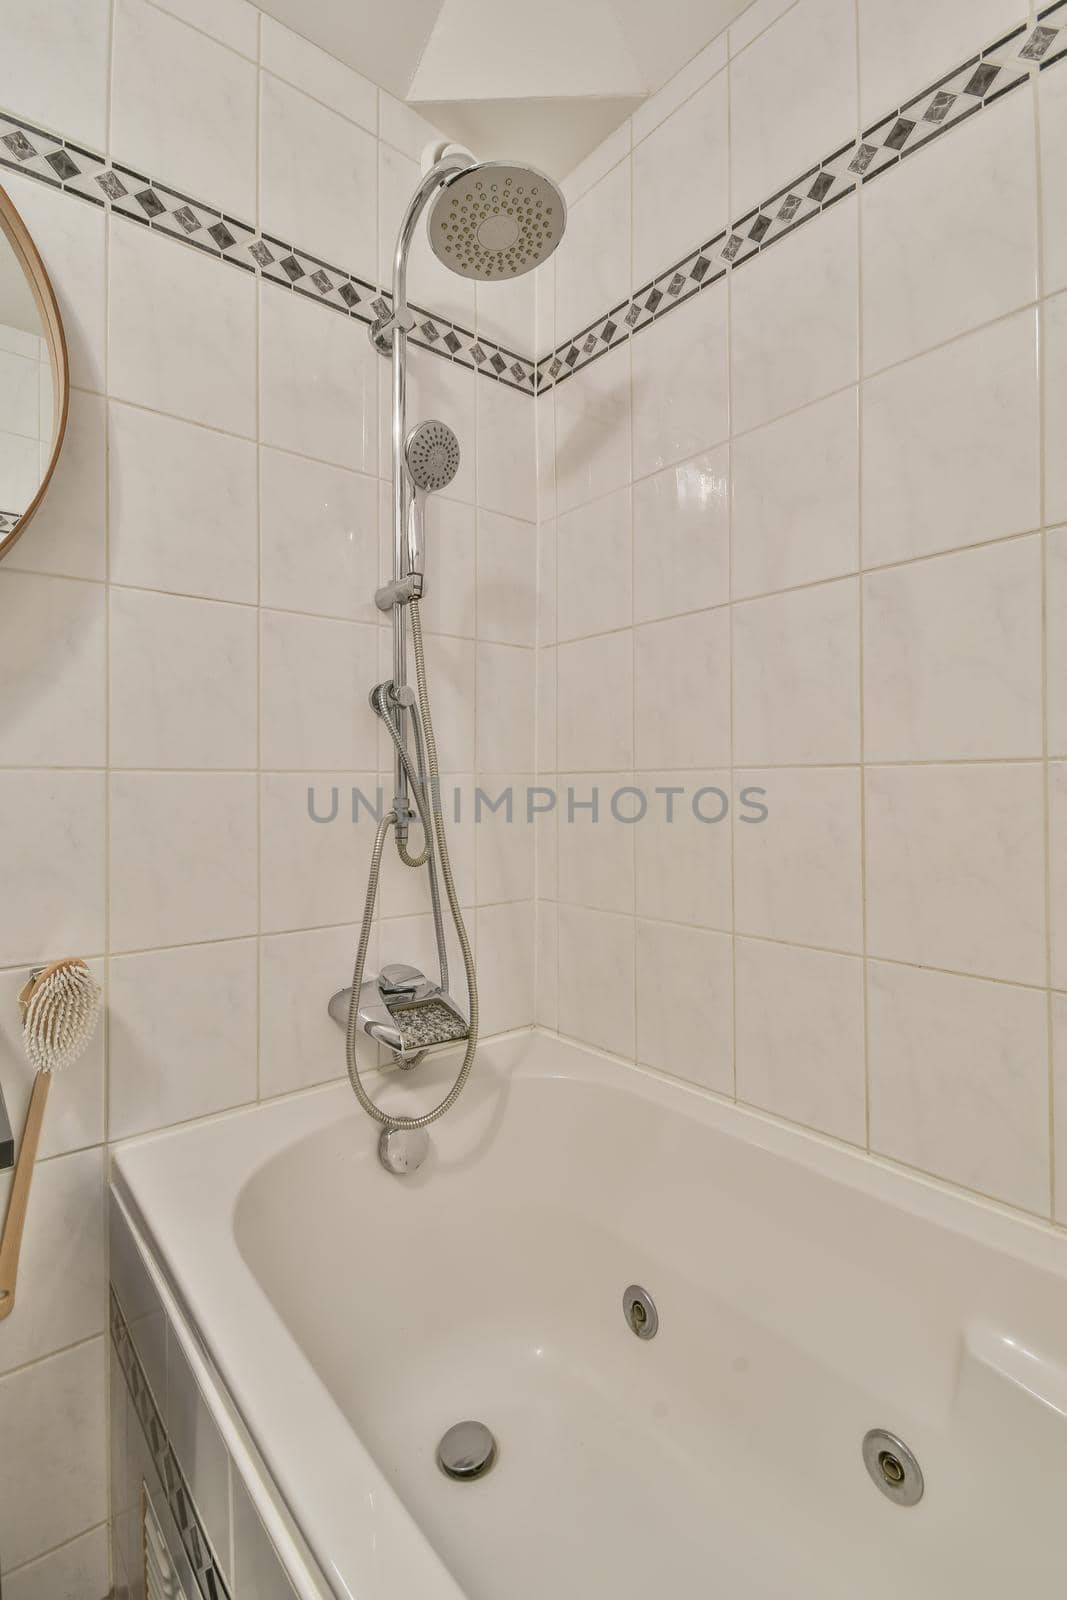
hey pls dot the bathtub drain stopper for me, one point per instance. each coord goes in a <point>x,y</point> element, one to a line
<point>893,1468</point>
<point>640,1312</point>
<point>467,1451</point>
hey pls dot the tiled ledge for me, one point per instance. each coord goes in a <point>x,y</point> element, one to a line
<point>977,83</point>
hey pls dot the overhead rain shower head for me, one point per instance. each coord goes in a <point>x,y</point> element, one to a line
<point>496,220</point>
<point>432,455</point>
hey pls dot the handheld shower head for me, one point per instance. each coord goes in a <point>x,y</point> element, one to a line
<point>432,457</point>
<point>496,220</point>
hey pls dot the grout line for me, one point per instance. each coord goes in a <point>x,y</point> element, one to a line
<point>1047,840</point>
<point>861,589</point>
<point>65,1544</point>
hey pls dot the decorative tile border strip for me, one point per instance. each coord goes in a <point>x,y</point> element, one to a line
<point>1012,61</point>
<point>8,519</point>
<point>205,1568</point>
<point>125,192</point>
<point>978,83</point>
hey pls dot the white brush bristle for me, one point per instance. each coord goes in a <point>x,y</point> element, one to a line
<point>60,1016</point>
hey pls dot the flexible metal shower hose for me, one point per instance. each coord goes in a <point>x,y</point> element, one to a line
<point>435,840</point>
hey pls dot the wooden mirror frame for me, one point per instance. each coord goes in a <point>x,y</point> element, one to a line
<point>15,231</point>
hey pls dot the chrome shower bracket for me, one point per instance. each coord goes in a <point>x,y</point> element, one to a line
<point>380,333</point>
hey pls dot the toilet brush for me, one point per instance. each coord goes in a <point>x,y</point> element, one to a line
<point>60,1005</point>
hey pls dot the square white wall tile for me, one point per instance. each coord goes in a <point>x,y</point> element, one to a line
<point>681,181</point>
<point>233,22</point>
<point>594,560</point>
<point>506,966</point>
<point>782,120</point>
<point>448,605</point>
<point>318,182</point>
<point>507,470</point>
<point>546,1005</point>
<point>1054,344</point>
<point>681,87</point>
<point>316,673</point>
<point>318,382</point>
<point>932,427</point>
<point>596,848</point>
<point>800,1044</point>
<point>71,243</point>
<point>682,848</point>
<point>1056,622</point>
<point>593,429</point>
<point>956,868</point>
<point>1057,773</point>
<point>183,333</point>
<point>313,852</point>
<point>77,1569</point>
<point>55,66</point>
<point>507,579</point>
<point>332,569</point>
<point>505,314</point>
<point>596,732</point>
<point>681,382</point>
<point>183,108</point>
<point>681,537</point>
<point>1052,103</point>
<point>55,880</point>
<point>959,1079</point>
<point>795,320</point>
<point>506,698</point>
<point>795,498</point>
<point>320,75</point>
<point>54,1485</point>
<point>682,691</point>
<point>53,671</point>
<point>596,978</point>
<point>950,236</point>
<point>753,21</point>
<point>183,507</point>
<point>685,1004</point>
<point>300,1044</point>
<point>76,1100</point>
<point>796,677</point>
<point>598,163</point>
<point>503,837</point>
<point>70,525</point>
<point>593,260</point>
<point>182,1034</point>
<point>952,656</point>
<point>63,1271</point>
<point>183,857</point>
<point>403,127</point>
<point>183,681</point>
<point>797,873</point>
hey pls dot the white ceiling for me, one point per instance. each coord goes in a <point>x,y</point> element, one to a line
<point>542,81</point>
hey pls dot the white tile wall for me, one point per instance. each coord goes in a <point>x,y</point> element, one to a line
<point>708,609</point>
<point>871,504</point>
<point>191,637</point>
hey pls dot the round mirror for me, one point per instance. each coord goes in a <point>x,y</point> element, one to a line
<point>34,382</point>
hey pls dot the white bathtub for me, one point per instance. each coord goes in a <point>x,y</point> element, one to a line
<point>805,1295</point>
